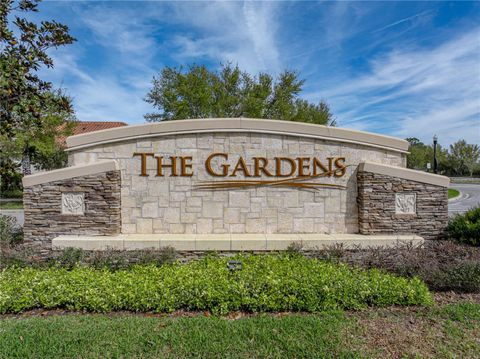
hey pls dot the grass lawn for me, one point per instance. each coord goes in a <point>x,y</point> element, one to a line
<point>452,193</point>
<point>441,331</point>
<point>11,205</point>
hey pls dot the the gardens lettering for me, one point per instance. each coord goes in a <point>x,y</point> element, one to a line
<point>217,165</point>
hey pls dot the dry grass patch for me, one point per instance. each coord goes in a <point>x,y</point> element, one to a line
<point>450,329</point>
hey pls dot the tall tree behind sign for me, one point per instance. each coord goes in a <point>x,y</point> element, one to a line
<point>230,92</point>
<point>30,109</point>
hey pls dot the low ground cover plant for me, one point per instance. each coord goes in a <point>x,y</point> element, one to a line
<point>265,283</point>
<point>465,228</point>
<point>442,265</point>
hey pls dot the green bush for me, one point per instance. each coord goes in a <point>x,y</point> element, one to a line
<point>10,232</point>
<point>464,277</point>
<point>110,259</point>
<point>465,227</point>
<point>10,178</point>
<point>15,194</point>
<point>265,283</point>
<point>442,265</point>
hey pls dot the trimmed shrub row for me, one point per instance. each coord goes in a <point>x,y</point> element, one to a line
<point>465,227</point>
<point>442,265</point>
<point>265,283</point>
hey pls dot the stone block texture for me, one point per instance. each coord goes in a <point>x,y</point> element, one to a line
<point>43,208</point>
<point>174,205</point>
<point>377,212</point>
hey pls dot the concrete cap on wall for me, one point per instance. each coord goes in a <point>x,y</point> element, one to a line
<point>405,173</point>
<point>210,125</point>
<point>69,172</point>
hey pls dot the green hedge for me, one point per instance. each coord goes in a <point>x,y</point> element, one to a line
<point>266,283</point>
<point>465,227</point>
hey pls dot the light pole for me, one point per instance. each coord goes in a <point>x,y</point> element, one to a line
<point>435,138</point>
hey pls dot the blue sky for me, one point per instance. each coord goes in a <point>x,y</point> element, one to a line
<point>397,68</point>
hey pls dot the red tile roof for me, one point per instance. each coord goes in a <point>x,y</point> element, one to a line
<point>90,126</point>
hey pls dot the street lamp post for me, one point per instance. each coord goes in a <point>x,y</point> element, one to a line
<point>435,138</point>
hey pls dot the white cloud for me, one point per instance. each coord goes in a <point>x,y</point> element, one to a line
<point>261,32</point>
<point>103,97</point>
<point>120,29</point>
<point>107,100</point>
<point>127,39</point>
<point>457,120</point>
<point>401,21</point>
<point>241,33</point>
<point>409,91</point>
<point>416,92</point>
<point>123,40</point>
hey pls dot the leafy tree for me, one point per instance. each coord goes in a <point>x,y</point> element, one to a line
<point>460,159</point>
<point>417,158</point>
<point>230,92</point>
<point>421,154</point>
<point>10,179</point>
<point>463,157</point>
<point>30,109</point>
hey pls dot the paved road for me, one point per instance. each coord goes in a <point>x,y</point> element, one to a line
<point>469,197</point>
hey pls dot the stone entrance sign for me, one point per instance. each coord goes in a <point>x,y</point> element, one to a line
<point>234,176</point>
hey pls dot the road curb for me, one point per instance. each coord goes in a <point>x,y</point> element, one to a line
<point>460,196</point>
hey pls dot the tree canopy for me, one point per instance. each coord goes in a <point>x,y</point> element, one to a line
<point>30,109</point>
<point>464,157</point>
<point>459,160</point>
<point>421,154</point>
<point>230,92</point>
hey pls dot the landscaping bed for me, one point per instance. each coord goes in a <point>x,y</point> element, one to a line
<point>333,302</point>
<point>442,265</point>
<point>262,284</point>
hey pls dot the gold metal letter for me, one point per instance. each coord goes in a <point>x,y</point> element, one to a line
<point>341,169</point>
<point>302,166</point>
<point>160,166</point>
<point>260,167</point>
<point>241,166</point>
<point>144,161</point>
<point>208,165</point>
<point>185,166</point>
<point>278,166</point>
<point>317,163</point>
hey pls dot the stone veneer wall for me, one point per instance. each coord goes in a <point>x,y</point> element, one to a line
<point>173,205</point>
<point>43,208</point>
<point>377,213</point>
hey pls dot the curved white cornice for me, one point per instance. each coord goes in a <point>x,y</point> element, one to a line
<point>405,173</point>
<point>300,129</point>
<point>69,172</point>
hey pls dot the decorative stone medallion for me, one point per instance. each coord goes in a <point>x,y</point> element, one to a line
<point>405,203</point>
<point>73,203</point>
